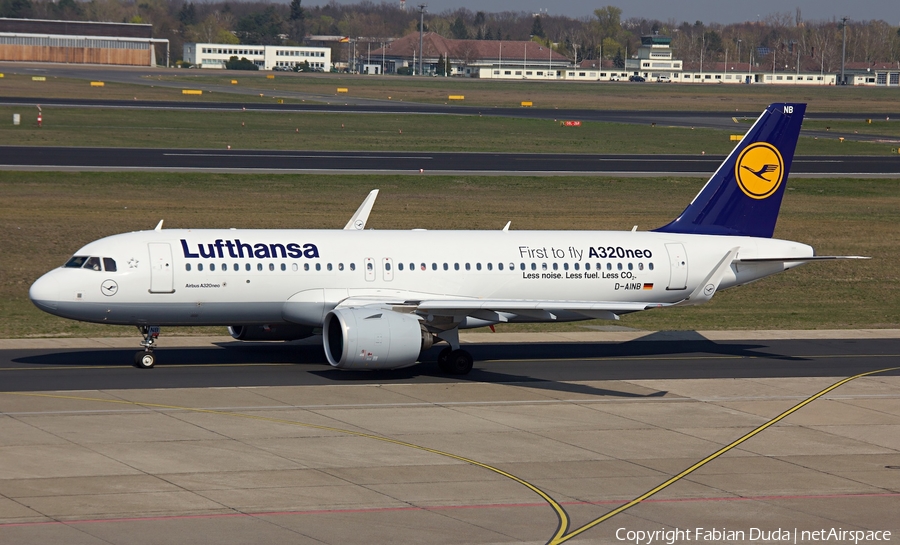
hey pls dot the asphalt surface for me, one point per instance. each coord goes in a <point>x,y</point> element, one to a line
<point>75,158</point>
<point>540,365</point>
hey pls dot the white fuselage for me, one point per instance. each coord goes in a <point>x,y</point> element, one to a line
<point>225,277</point>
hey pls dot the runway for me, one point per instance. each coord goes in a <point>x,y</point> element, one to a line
<point>550,442</point>
<point>173,159</point>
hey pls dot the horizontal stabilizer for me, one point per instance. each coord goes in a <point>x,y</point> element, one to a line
<point>798,259</point>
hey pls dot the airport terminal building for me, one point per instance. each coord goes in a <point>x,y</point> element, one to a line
<point>266,57</point>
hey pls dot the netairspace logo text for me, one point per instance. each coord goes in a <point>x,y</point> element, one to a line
<point>795,535</point>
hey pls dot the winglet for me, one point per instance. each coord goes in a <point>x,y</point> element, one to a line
<point>359,219</point>
<point>158,226</point>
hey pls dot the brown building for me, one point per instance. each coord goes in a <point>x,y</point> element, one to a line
<point>78,42</point>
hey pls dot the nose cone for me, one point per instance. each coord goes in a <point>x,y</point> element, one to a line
<point>44,293</point>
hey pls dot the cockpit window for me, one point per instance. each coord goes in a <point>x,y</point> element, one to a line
<point>92,263</point>
<point>75,262</point>
<point>110,264</point>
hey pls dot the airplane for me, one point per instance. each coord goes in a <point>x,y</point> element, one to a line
<point>381,298</point>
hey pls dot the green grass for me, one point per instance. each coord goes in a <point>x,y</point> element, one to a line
<point>45,217</point>
<point>381,132</point>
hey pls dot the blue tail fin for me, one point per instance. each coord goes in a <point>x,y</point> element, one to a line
<point>744,195</point>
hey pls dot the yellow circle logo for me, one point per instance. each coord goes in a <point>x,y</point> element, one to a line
<point>759,170</point>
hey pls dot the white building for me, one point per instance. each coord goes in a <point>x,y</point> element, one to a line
<point>266,57</point>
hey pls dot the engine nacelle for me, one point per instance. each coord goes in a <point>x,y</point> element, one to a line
<point>361,338</point>
<point>270,332</point>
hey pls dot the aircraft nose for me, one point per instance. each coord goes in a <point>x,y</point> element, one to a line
<point>44,293</point>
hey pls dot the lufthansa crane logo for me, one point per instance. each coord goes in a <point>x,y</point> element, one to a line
<point>759,170</point>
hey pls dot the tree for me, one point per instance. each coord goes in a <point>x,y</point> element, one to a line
<point>18,9</point>
<point>441,65</point>
<point>262,27</point>
<point>619,60</point>
<point>297,13</point>
<point>243,64</point>
<point>536,28</point>
<point>458,29</point>
<point>610,21</point>
<point>187,14</point>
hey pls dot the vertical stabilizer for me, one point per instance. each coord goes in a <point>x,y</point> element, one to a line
<point>744,195</point>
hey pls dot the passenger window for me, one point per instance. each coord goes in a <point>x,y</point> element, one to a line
<point>283,267</point>
<point>619,266</point>
<point>199,266</point>
<point>341,266</point>
<point>187,267</point>
<point>433,266</point>
<point>92,263</point>
<point>650,266</point>
<point>224,267</point>
<point>565,266</point>
<point>543,266</point>
<point>318,266</point>
<point>294,267</point>
<point>306,266</point>
<point>271,266</point>
<point>212,266</point>
<point>446,267</point>
<point>330,268</point>
<point>109,264</point>
<point>640,266</point>
<point>259,266</point>
<point>631,266</point>
<point>587,266</point>
<point>246,266</point>
<point>237,267</point>
<point>576,266</point>
<point>456,266</point>
<point>522,266</point>
<point>556,266</point>
<point>490,266</point>
<point>353,266</point>
<point>534,266</point>
<point>423,267</point>
<point>399,266</point>
<point>478,266</point>
<point>512,266</point>
<point>75,262</point>
<point>499,266</point>
<point>609,266</point>
<point>468,267</point>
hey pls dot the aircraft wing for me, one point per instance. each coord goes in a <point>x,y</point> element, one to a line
<point>498,309</point>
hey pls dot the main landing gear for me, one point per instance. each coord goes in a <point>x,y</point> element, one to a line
<point>454,362</point>
<point>146,359</point>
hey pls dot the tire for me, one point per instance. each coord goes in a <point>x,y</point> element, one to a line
<point>144,360</point>
<point>443,359</point>
<point>459,362</point>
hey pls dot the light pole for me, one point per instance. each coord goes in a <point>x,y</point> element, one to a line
<point>739,50</point>
<point>844,49</point>
<point>421,32</point>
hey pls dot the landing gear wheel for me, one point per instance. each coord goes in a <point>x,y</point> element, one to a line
<point>459,362</point>
<point>144,360</point>
<point>443,358</point>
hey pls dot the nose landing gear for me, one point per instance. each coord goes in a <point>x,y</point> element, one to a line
<point>146,359</point>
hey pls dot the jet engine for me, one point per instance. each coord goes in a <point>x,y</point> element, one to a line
<point>362,338</point>
<point>270,332</point>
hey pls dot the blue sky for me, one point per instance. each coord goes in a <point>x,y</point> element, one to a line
<point>708,11</point>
